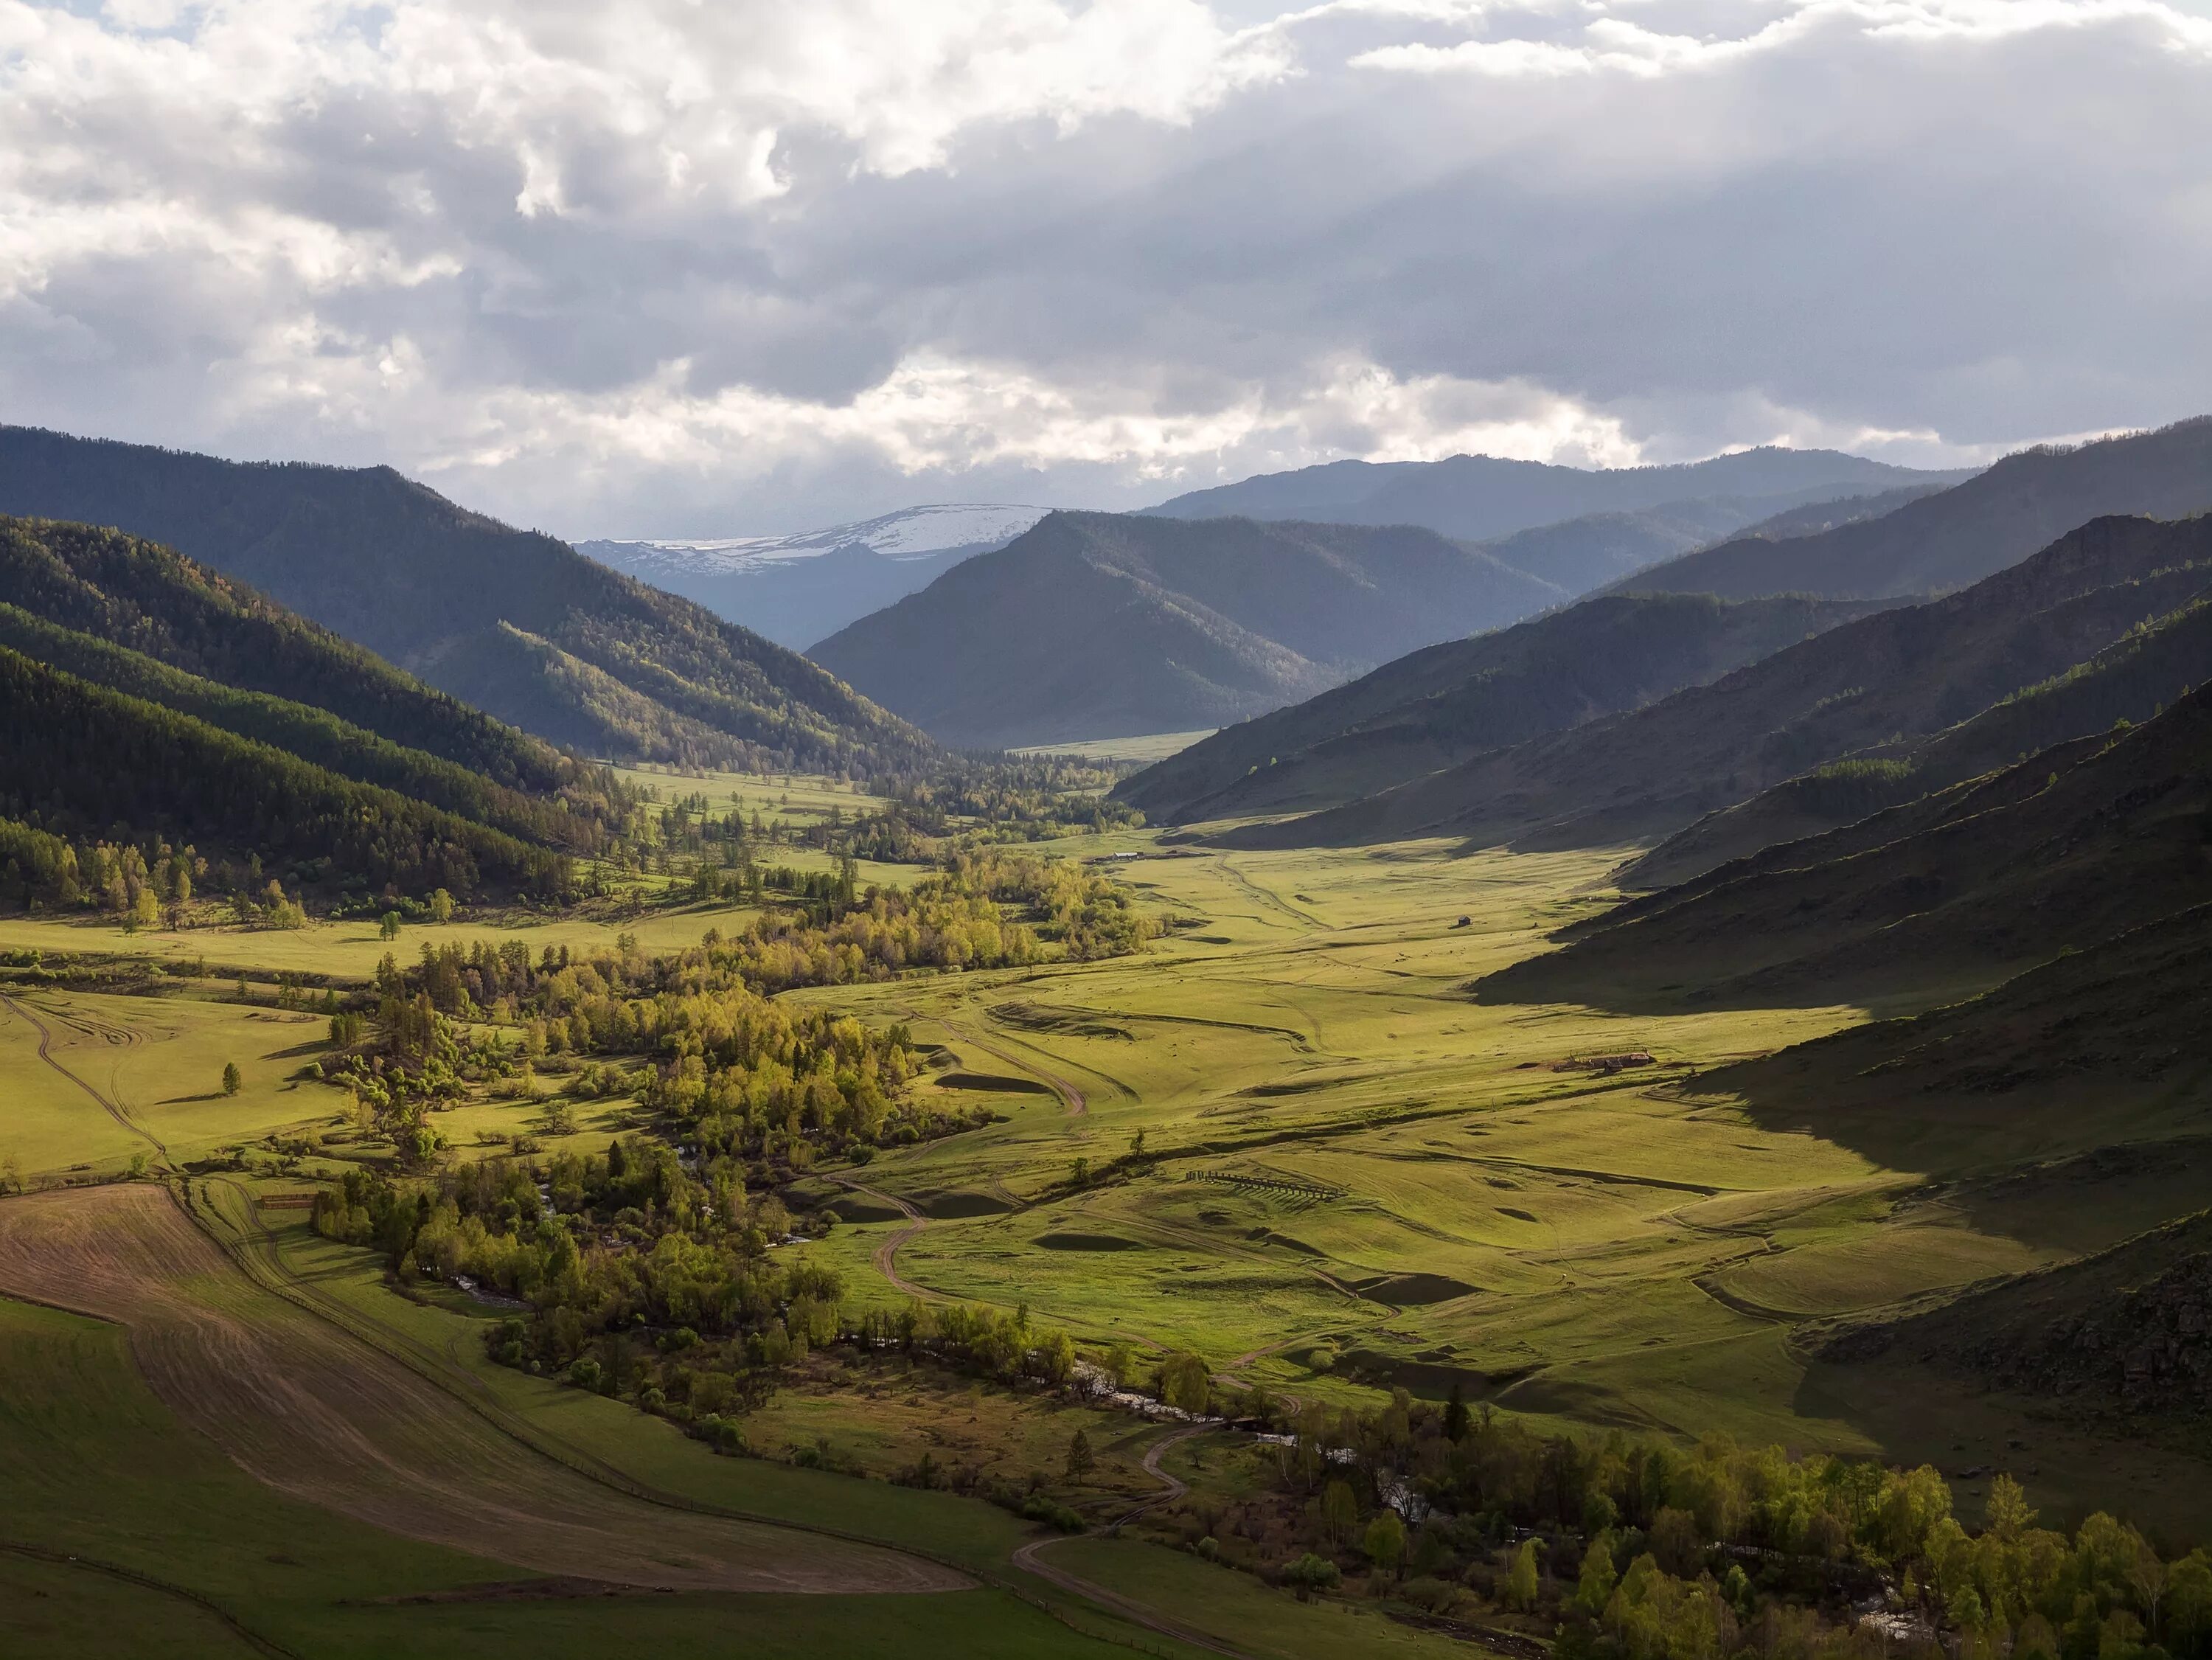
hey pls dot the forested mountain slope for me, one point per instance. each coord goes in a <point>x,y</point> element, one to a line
<point>1481,496</point>
<point>1906,671</point>
<point>1445,702</point>
<point>516,622</point>
<point>1102,625</point>
<point>577,819</point>
<point>2132,680</point>
<point>151,599</point>
<point>80,762</point>
<point>1960,535</point>
<point>2061,852</point>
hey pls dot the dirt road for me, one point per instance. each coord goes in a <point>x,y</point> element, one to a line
<point>106,1105</point>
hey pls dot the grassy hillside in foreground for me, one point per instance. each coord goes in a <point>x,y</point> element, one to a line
<point>1094,624</point>
<point>2113,839</point>
<point>2129,681</point>
<point>1961,535</point>
<point>394,566</point>
<point>1439,705</point>
<point>86,760</point>
<point>1904,671</point>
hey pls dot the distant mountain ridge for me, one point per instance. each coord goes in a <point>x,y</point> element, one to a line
<point>1909,670</point>
<point>514,621</point>
<point>1102,624</point>
<point>796,590</point>
<point>1448,702</point>
<point>1948,540</point>
<point>1480,497</point>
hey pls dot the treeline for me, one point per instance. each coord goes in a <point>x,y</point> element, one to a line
<point>627,1258</point>
<point>770,1084</point>
<point>1643,1550</point>
<point>955,919</point>
<point>81,761</point>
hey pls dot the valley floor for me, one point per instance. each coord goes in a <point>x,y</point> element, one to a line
<point>1352,1176</point>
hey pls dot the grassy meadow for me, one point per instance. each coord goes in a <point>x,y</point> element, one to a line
<point>1353,1177</point>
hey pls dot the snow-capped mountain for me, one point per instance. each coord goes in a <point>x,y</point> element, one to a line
<point>799,589</point>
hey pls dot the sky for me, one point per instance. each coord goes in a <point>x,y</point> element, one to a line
<point>693,268</point>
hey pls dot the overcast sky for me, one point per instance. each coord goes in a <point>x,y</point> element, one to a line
<point>701,267</point>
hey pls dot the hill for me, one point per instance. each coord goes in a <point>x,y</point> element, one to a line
<point>1960,535</point>
<point>517,623</point>
<point>797,589</point>
<point>153,601</point>
<point>577,821</point>
<point>2058,853</point>
<point>84,765</point>
<point>2107,1044</point>
<point>2131,680</point>
<point>1907,670</point>
<point>1102,625</point>
<point>1480,497</point>
<point>1444,703</point>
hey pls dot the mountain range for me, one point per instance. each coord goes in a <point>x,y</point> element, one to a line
<point>1481,497</point>
<point>1907,670</point>
<point>1374,744</point>
<point>513,622</point>
<point>797,589</point>
<point>1094,624</point>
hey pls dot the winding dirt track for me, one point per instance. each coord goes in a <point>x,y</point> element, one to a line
<point>1069,1094</point>
<point>1030,1557</point>
<point>304,1408</point>
<point>886,1254</point>
<point>106,1105</point>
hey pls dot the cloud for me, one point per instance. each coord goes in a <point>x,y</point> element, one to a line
<point>673,269</point>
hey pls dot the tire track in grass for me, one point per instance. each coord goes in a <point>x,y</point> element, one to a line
<point>1076,1104</point>
<point>111,1107</point>
<point>237,1627</point>
<point>886,1254</point>
<point>1030,1557</point>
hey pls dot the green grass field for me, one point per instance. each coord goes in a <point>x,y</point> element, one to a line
<point>1144,749</point>
<point>1356,1176</point>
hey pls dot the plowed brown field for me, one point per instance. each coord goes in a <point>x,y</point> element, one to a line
<point>316,1414</point>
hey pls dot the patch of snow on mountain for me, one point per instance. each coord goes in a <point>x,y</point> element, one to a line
<point>910,533</point>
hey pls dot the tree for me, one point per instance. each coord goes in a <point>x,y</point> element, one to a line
<point>1455,1415</point>
<point>231,1081</point>
<point>388,927</point>
<point>11,1174</point>
<point>1310,1573</point>
<point>442,907</point>
<point>2007,1514</point>
<point>1521,1581</point>
<point>1598,1577</point>
<point>1185,1383</point>
<point>1339,1513</point>
<point>1385,1543</point>
<point>1080,1462</point>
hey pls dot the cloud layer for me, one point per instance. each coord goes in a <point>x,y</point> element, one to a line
<point>666,269</point>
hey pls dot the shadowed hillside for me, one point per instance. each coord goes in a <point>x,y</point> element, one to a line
<point>1973,888</point>
<point>2131,680</point>
<point>442,592</point>
<point>1909,671</point>
<point>1441,704</point>
<point>1102,625</point>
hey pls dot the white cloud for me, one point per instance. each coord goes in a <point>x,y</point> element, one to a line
<point>760,262</point>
